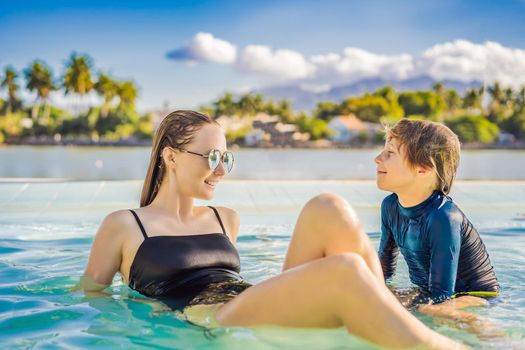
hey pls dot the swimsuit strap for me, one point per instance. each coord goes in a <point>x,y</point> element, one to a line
<point>218,218</point>
<point>140,223</point>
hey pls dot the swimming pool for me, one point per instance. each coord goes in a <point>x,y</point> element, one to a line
<point>46,229</point>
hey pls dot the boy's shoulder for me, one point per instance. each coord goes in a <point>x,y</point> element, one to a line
<point>444,213</point>
<point>389,201</point>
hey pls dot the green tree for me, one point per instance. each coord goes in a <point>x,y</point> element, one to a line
<point>472,98</point>
<point>515,124</point>
<point>127,93</point>
<point>425,103</point>
<point>107,87</point>
<point>39,78</point>
<point>370,108</point>
<point>327,110</point>
<point>497,95</point>
<point>78,79</point>
<point>285,112</point>
<point>9,83</point>
<point>474,128</point>
<point>520,99</point>
<point>508,97</point>
<point>439,89</point>
<point>317,128</point>
<point>225,105</point>
<point>453,100</point>
<point>388,93</point>
<point>249,105</point>
<point>396,112</point>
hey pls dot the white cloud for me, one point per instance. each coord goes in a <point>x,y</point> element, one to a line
<point>458,60</point>
<point>463,60</point>
<point>355,64</point>
<point>205,47</point>
<point>279,64</point>
<point>315,88</point>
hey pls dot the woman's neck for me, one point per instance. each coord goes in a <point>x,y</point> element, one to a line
<point>170,201</point>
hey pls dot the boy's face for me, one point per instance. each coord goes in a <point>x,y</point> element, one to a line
<point>394,174</point>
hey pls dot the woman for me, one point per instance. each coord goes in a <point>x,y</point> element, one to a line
<point>184,254</point>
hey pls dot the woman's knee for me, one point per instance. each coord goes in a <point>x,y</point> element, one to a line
<point>347,265</point>
<point>328,204</point>
<point>332,210</point>
<point>352,275</point>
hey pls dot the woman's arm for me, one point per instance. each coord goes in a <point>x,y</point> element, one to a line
<point>106,253</point>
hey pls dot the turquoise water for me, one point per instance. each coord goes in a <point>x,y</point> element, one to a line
<point>46,231</point>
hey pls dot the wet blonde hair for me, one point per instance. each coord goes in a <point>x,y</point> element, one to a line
<point>430,145</point>
<point>176,130</point>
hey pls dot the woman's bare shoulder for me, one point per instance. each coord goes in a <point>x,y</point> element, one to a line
<point>118,223</point>
<point>231,221</point>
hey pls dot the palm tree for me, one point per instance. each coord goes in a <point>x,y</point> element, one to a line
<point>508,97</point>
<point>127,93</point>
<point>78,75</point>
<point>39,78</point>
<point>249,104</point>
<point>225,105</point>
<point>453,99</point>
<point>472,98</point>
<point>496,93</point>
<point>9,82</point>
<point>107,87</point>
<point>439,89</point>
<point>520,99</point>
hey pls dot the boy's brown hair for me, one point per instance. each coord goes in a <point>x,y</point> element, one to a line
<point>431,145</point>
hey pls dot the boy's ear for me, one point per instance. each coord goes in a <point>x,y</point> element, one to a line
<point>424,171</point>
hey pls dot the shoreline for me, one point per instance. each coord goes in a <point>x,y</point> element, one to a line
<point>324,145</point>
<point>28,180</point>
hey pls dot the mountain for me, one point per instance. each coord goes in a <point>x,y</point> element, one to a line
<point>303,99</point>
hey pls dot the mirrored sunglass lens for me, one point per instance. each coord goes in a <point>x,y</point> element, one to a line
<point>228,161</point>
<point>214,159</point>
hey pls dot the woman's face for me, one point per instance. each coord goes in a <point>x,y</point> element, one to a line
<point>192,172</point>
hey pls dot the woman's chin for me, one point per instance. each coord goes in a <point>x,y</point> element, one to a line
<point>208,195</point>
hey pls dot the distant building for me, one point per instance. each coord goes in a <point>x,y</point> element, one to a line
<point>347,128</point>
<point>505,138</point>
<point>270,132</point>
<point>254,138</point>
<point>157,117</point>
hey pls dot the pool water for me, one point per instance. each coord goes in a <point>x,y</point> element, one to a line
<point>46,230</point>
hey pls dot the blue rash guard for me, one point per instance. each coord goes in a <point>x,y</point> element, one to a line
<point>443,250</point>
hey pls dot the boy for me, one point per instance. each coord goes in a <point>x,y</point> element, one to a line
<point>444,252</point>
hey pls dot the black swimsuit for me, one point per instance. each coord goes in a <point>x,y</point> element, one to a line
<point>187,270</point>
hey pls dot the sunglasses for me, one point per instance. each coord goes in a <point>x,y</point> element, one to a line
<point>215,157</point>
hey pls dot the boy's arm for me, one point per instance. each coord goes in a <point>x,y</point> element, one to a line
<point>445,244</point>
<point>388,249</point>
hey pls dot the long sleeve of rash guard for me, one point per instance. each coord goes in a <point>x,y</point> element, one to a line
<point>445,243</point>
<point>388,249</point>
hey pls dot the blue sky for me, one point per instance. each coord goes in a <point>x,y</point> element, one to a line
<point>130,40</point>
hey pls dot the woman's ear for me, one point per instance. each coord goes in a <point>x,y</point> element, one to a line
<point>168,157</point>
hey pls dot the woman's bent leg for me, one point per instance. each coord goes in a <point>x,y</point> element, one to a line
<point>328,226</point>
<point>332,292</point>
